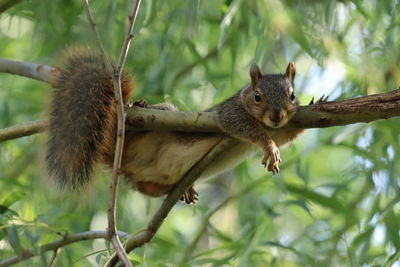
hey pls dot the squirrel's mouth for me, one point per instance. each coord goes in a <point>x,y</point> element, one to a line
<point>275,124</point>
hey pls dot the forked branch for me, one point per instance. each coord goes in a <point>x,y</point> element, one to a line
<point>116,77</point>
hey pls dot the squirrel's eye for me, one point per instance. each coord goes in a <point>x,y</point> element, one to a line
<point>257,97</point>
<point>292,96</point>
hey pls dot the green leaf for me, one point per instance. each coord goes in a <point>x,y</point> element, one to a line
<point>227,21</point>
<point>99,257</point>
<point>392,259</point>
<point>13,239</point>
<point>300,203</point>
<point>12,197</point>
<point>392,223</point>
<point>3,209</point>
<point>362,237</point>
<point>329,202</point>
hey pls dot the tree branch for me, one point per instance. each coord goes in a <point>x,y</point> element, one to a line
<point>66,240</point>
<point>35,71</point>
<point>8,4</point>
<point>116,77</point>
<point>327,114</point>
<point>336,113</point>
<point>23,129</point>
<point>321,115</point>
<point>119,146</point>
<point>96,34</point>
<point>141,119</point>
<point>112,228</point>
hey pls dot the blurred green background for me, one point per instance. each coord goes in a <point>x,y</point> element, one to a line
<point>335,201</point>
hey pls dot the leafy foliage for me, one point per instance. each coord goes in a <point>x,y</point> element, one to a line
<point>335,202</point>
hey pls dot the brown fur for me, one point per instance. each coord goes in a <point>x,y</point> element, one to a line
<point>153,189</point>
<point>267,102</point>
<point>82,119</point>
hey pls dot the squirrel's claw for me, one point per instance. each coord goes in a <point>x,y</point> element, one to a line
<point>275,170</point>
<point>265,159</point>
<point>191,196</point>
<point>322,99</point>
<point>141,103</point>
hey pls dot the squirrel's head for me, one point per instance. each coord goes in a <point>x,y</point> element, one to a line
<point>271,98</point>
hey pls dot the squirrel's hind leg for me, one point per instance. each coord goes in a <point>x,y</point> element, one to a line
<point>191,196</point>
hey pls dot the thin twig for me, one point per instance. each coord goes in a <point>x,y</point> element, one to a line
<point>66,240</point>
<point>100,45</point>
<point>187,180</point>
<point>56,252</point>
<point>112,227</point>
<point>116,77</point>
<point>128,37</point>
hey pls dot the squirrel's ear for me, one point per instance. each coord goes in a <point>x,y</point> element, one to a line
<point>255,74</point>
<point>291,72</point>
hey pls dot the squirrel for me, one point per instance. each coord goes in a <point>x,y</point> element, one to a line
<point>82,129</point>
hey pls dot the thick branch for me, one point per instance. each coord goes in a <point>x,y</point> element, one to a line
<point>327,114</point>
<point>321,115</point>
<point>344,112</point>
<point>66,240</point>
<point>335,113</point>
<point>141,119</point>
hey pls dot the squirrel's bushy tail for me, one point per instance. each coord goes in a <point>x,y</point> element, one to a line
<point>82,119</point>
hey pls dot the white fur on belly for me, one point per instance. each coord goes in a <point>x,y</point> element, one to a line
<point>163,157</point>
<point>167,159</point>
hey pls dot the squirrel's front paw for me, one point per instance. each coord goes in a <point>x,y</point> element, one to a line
<point>273,153</point>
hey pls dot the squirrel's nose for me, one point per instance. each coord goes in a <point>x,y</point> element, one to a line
<point>276,116</point>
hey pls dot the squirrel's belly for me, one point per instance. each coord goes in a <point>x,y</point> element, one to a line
<point>230,158</point>
<point>162,157</point>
